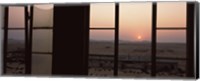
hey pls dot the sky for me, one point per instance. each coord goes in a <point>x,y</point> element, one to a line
<point>134,20</point>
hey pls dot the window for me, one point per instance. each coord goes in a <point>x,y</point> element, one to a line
<point>43,15</point>
<point>171,39</point>
<point>42,39</point>
<point>171,14</point>
<point>16,17</point>
<point>135,39</point>
<point>16,43</point>
<point>101,46</point>
<point>102,15</point>
<point>125,39</point>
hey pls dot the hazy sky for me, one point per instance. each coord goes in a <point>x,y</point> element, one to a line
<point>135,20</point>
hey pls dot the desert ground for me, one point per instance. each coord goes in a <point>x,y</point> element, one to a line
<point>134,59</point>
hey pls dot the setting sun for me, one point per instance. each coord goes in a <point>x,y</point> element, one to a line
<point>139,37</point>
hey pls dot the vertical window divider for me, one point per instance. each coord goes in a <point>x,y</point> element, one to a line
<point>27,49</point>
<point>197,39</point>
<point>153,44</point>
<point>190,40</point>
<point>5,38</point>
<point>116,52</point>
<point>30,35</point>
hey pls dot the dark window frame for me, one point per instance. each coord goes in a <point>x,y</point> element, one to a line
<point>189,37</point>
<point>26,37</point>
<point>38,28</point>
<point>154,39</point>
<point>189,42</point>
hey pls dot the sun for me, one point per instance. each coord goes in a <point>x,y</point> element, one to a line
<point>139,37</point>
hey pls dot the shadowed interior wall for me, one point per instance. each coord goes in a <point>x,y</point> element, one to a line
<point>70,38</point>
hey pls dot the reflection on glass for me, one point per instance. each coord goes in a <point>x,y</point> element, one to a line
<point>102,15</point>
<point>42,41</point>
<point>135,39</point>
<point>171,53</point>
<point>42,52</point>
<point>101,53</point>
<point>16,17</point>
<point>43,15</point>
<point>16,52</point>
<point>171,14</point>
<point>41,64</point>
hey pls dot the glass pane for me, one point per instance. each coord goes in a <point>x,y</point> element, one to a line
<point>42,41</point>
<point>135,39</point>
<point>171,68</point>
<point>41,64</point>
<point>102,15</point>
<point>171,53</point>
<point>171,14</point>
<point>16,17</point>
<point>102,35</point>
<point>16,40</point>
<point>1,17</point>
<point>173,36</point>
<point>101,53</point>
<point>15,52</point>
<point>43,15</point>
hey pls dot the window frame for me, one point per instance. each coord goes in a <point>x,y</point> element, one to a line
<point>190,26</point>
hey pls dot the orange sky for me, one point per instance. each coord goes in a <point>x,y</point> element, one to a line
<point>134,23</point>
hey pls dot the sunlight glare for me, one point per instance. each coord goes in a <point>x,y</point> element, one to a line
<point>139,37</point>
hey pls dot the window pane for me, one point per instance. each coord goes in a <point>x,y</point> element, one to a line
<point>171,14</point>
<point>102,15</point>
<point>15,52</point>
<point>171,68</point>
<point>173,36</point>
<point>42,41</point>
<point>16,17</point>
<point>171,53</point>
<point>41,64</point>
<point>175,50</point>
<point>2,16</point>
<point>101,53</point>
<point>102,35</point>
<point>16,40</point>
<point>135,39</point>
<point>100,40</point>
<point>43,16</point>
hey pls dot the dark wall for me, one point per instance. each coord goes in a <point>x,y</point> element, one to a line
<point>70,39</point>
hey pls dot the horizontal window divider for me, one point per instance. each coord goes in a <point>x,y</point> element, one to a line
<point>167,28</point>
<point>41,52</point>
<point>99,55</point>
<point>161,58</point>
<point>15,51</point>
<point>15,28</point>
<point>170,58</point>
<point>102,28</point>
<point>42,27</point>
